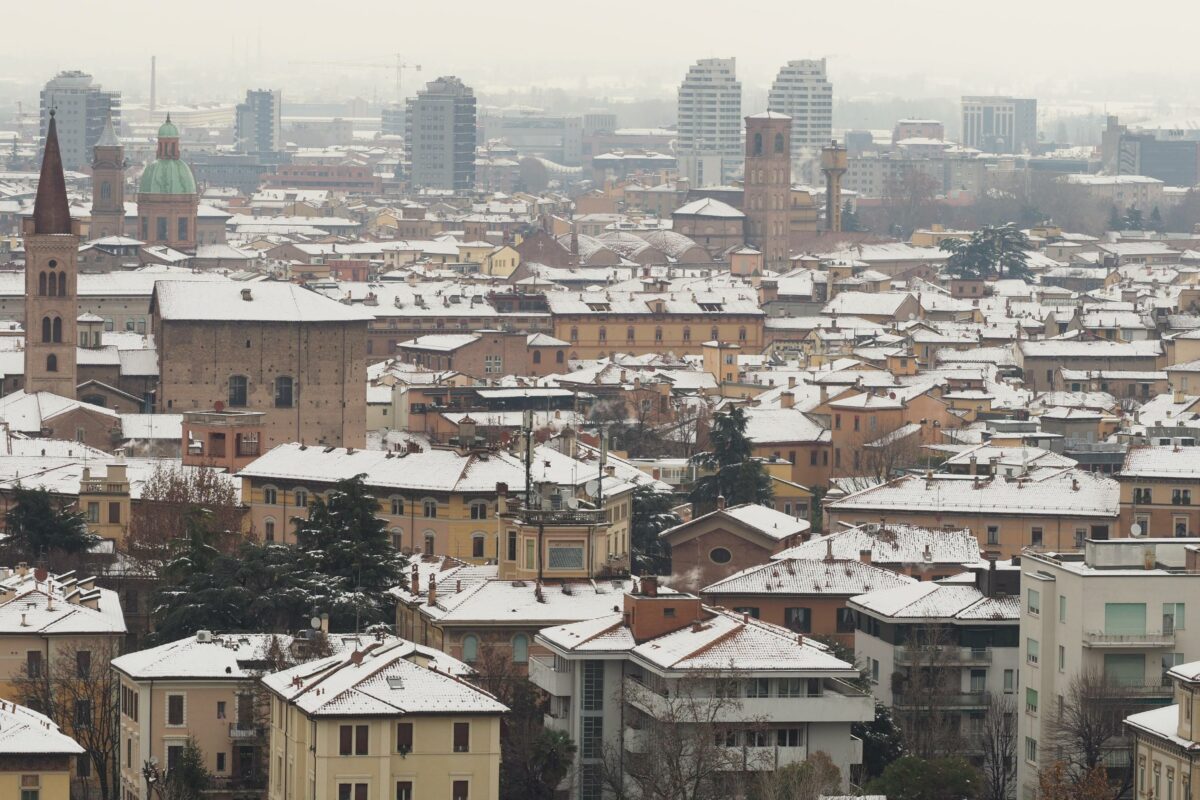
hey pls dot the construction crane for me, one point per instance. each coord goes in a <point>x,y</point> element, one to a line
<point>399,66</point>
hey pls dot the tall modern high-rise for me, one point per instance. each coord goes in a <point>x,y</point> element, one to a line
<point>440,136</point>
<point>999,124</point>
<point>803,92</point>
<point>82,109</point>
<point>709,146</point>
<point>257,124</point>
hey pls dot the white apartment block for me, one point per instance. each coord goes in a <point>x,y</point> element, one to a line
<point>803,92</point>
<point>771,698</point>
<point>1116,609</point>
<point>710,122</point>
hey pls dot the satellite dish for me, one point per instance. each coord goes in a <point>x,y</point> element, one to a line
<point>1135,530</point>
<point>592,488</point>
<point>572,503</point>
<point>315,622</point>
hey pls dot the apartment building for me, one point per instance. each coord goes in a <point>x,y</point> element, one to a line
<point>203,688</point>
<point>922,553</point>
<point>710,122</point>
<point>956,638</point>
<point>81,109</point>
<point>999,124</point>
<point>387,719</point>
<point>35,756</point>
<point>802,91</point>
<point>440,136</point>
<point>618,681</point>
<point>1116,610</point>
<point>1166,750</point>
<point>1157,487</point>
<point>1054,509</point>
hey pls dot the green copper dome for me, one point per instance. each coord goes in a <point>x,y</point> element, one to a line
<point>167,176</point>
<point>168,129</point>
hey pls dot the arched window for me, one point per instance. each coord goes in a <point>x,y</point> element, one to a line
<point>397,538</point>
<point>758,144</point>
<point>470,648</point>
<point>629,334</point>
<point>105,190</point>
<point>537,356</point>
<point>558,357</point>
<point>520,648</point>
<point>237,390</point>
<point>397,506</point>
<point>270,495</point>
<point>574,334</point>
<point>658,334</point>
<point>57,329</point>
<point>478,541</point>
<point>283,392</point>
<point>603,334</point>
<point>51,363</point>
<point>429,508</point>
<point>430,543</point>
<point>42,283</point>
<point>301,497</point>
<point>47,327</point>
<point>269,529</point>
<point>61,291</point>
<point>779,143</point>
<point>741,334</point>
<point>479,509</point>
<point>687,334</point>
<point>714,334</point>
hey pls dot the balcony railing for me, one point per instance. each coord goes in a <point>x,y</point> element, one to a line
<point>957,655</point>
<point>1133,641</point>
<point>245,730</point>
<point>954,700</point>
<point>563,516</point>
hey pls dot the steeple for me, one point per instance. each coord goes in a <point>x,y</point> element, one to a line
<point>51,212</point>
<point>108,137</point>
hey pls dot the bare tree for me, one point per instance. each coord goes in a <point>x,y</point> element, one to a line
<point>996,739</point>
<point>887,456</point>
<point>817,775</point>
<point>923,692</point>
<point>169,495</point>
<point>1056,783</point>
<point>1090,724</point>
<point>691,743</point>
<point>78,690</point>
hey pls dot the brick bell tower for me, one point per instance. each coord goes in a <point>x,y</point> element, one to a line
<point>108,185</point>
<point>51,305</point>
<point>768,184</point>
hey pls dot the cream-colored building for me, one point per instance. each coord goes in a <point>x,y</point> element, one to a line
<point>202,687</point>
<point>1166,751</point>
<point>35,756</point>
<point>1117,609</point>
<point>389,720</point>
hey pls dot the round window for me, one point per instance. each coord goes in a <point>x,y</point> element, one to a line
<point>720,555</point>
<point>53,263</point>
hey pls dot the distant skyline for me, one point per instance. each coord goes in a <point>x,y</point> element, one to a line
<point>1065,49</point>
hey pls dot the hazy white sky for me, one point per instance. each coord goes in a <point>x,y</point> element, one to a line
<point>1049,47</point>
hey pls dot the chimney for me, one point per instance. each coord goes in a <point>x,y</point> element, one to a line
<point>787,400</point>
<point>720,503</point>
<point>325,623</point>
<point>791,381</point>
<point>697,626</point>
<point>414,584</point>
<point>432,598</point>
<point>928,554</point>
<point>246,295</point>
<point>1074,484</point>
<point>864,556</point>
<point>649,586</point>
<point>23,569</point>
<point>829,548</point>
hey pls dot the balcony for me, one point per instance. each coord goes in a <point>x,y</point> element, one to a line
<point>556,723</point>
<point>1130,641</point>
<point>246,730</point>
<point>839,702</point>
<point>563,516</point>
<point>956,700</point>
<point>544,676</point>
<point>955,655</point>
<point>636,740</point>
<point>760,759</point>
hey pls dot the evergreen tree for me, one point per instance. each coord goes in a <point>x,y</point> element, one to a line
<point>992,250</point>
<point>850,221</point>
<point>37,527</point>
<point>1133,219</point>
<point>1114,219</point>
<point>735,474</point>
<point>1156,220</point>
<point>188,779</point>
<point>912,778</point>
<point>652,515</point>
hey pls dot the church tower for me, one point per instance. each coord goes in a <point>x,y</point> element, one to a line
<point>167,199</point>
<point>51,304</point>
<point>108,185</point>
<point>768,184</point>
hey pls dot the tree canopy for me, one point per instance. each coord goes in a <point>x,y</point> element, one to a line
<point>39,526</point>
<point>652,515</point>
<point>912,778</point>
<point>1000,250</point>
<point>736,476</point>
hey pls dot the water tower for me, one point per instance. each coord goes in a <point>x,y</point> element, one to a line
<point>834,165</point>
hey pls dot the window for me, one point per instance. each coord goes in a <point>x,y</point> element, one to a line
<point>1062,608</point>
<point>404,737</point>
<point>1142,495</point>
<point>220,709</point>
<point>479,510</point>
<point>530,554</point>
<point>93,512</point>
<point>798,619</point>
<point>174,753</point>
<point>1010,681</point>
<point>352,791</point>
<point>845,620</point>
<point>1034,602</point>
<point>512,546</point>
<point>629,334</point>
<point>537,356</point>
<point>220,762</point>
<point>183,229</point>
<point>1035,537</point>
<point>993,534</point>
<point>301,498</point>
<point>83,713</point>
<point>269,529</point>
<point>430,542</point>
<point>1062,658</point>
<point>719,555</point>
<point>237,390</point>
<point>51,363</point>
<point>1031,650</point>
<point>1031,700</point>
<point>460,790</point>
<point>83,765</point>
<point>493,364</point>
<point>574,334</point>
<point>270,496</point>
<point>360,739</point>
<point>114,513</point>
<point>353,740</point>
<point>429,508</point>
<point>283,392</point>
<point>789,737</point>
<point>404,790</point>
<point>758,687</point>
<point>83,663</point>
<point>1172,617</point>
<point>477,544</point>
<point>1031,753</point>
<point>470,648</point>
<point>397,506</point>
<point>175,709</point>
<point>462,737</point>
